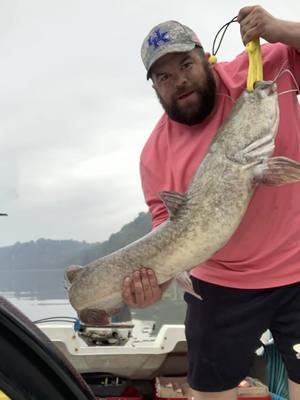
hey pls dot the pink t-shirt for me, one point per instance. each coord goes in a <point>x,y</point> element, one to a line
<point>265,249</point>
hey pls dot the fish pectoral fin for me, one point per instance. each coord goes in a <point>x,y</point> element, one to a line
<point>70,274</point>
<point>173,201</point>
<point>257,150</point>
<point>277,171</point>
<point>184,281</point>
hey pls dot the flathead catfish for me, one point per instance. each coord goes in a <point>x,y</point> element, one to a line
<point>204,218</point>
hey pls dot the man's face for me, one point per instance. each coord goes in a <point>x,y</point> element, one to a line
<point>185,86</point>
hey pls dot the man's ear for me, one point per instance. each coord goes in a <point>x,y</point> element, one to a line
<point>153,84</point>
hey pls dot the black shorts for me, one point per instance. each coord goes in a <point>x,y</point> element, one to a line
<point>223,332</point>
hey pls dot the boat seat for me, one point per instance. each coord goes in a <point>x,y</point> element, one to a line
<point>31,367</point>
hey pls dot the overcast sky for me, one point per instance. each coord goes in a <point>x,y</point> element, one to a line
<point>76,109</point>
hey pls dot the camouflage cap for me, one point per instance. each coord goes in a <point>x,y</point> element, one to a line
<point>167,37</point>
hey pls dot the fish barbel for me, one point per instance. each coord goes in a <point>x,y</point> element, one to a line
<point>201,220</point>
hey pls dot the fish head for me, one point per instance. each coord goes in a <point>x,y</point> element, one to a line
<point>263,108</point>
<point>265,87</point>
<point>255,116</point>
<point>266,97</point>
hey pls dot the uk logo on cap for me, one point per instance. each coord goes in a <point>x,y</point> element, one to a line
<point>158,39</point>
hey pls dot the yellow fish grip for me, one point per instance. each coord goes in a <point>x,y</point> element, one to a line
<point>3,396</point>
<point>255,69</point>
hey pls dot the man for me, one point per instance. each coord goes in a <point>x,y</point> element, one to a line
<point>253,282</point>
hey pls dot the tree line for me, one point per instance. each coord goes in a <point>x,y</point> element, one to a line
<point>56,254</point>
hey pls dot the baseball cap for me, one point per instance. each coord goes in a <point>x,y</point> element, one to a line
<point>167,37</point>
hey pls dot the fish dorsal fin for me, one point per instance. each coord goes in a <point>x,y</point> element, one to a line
<point>173,201</point>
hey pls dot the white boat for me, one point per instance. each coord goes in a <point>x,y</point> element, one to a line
<point>129,350</point>
<point>132,351</point>
<point>57,359</point>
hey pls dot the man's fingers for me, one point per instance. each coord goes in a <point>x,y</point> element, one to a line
<point>127,293</point>
<point>138,289</point>
<point>156,291</point>
<point>248,28</point>
<point>133,291</point>
<point>244,12</point>
<point>146,285</point>
<point>141,289</point>
<point>249,34</point>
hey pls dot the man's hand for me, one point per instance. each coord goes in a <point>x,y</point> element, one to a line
<point>142,289</point>
<point>257,22</point>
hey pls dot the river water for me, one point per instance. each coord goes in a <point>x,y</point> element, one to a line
<point>41,294</point>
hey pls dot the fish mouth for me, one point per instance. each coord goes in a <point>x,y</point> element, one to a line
<point>267,87</point>
<point>94,316</point>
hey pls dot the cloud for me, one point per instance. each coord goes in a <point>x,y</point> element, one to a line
<point>76,110</point>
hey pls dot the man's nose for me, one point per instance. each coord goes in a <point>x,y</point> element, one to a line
<point>180,80</point>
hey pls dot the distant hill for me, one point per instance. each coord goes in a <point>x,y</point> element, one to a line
<point>55,254</point>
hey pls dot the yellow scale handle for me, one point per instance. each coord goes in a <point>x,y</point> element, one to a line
<point>255,69</point>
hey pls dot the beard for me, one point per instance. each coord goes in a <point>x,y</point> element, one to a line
<point>199,112</point>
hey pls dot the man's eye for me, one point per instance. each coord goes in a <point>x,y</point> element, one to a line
<point>187,64</point>
<point>163,78</point>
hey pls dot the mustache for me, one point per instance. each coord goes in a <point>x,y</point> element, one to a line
<point>184,89</point>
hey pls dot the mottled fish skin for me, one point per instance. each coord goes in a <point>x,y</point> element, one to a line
<point>204,218</point>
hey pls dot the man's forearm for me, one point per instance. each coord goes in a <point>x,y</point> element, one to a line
<point>289,34</point>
